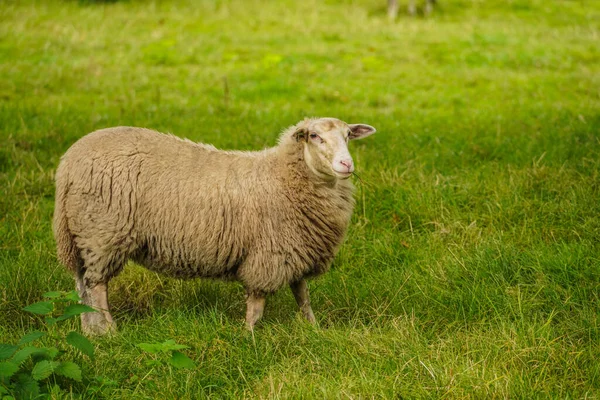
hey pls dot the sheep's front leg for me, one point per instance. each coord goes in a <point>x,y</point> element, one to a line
<point>99,322</point>
<point>300,290</point>
<point>255,305</point>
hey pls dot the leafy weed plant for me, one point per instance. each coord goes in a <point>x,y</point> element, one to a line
<point>167,353</point>
<point>27,370</point>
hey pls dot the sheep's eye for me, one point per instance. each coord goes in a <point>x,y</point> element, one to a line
<point>313,136</point>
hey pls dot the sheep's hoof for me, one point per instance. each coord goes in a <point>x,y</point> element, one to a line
<point>310,317</point>
<point>255,305</point>
<point>95,324</point>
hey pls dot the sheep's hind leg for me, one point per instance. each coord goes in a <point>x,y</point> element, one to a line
<point>428,6</point>
<point>255,305</point>
<point>300,291</point>
<point>99,322</point>
<point>412,7</point>
<point>392,9</point>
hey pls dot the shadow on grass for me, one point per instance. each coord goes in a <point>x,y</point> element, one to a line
<point>137,294</point>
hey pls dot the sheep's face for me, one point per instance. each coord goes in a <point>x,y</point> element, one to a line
<point>326,146</point>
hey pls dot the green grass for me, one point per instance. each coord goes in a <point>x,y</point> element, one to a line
<point>471,269</point>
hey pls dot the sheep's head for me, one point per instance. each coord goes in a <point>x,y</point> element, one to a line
<point>326,145</point>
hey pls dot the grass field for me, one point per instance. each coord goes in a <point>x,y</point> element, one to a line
<point>471,269</point>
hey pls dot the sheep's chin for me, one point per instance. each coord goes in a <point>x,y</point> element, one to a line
<point>343,175</point>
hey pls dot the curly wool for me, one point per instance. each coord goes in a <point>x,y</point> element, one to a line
<point>189,210</point>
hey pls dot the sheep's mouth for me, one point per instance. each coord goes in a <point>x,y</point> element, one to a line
<point>343,175</point>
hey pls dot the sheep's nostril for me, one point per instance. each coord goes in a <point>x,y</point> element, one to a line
<point>347,164</point>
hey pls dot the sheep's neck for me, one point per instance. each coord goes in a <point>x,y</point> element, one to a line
<point>313,193</point>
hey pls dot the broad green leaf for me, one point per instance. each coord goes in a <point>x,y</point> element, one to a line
<point>30,337</point>
<point>76,309</point>
<point>43,369</point>
<point>24,354</point>
<point>70,370</point>
<point>41,308</point>
<point>45,353</point>
<point>8,369</point>
<point>81,343</point>
<point>73,296</point>
<point>52,295</point>
<point>3,391</point>
<point>180,360</point>
<point>7,350</point>
<point>52,321</point>
<point>170,344</point>
<point>51,352</point>
<point>152,348</point>
<point>26,387</point>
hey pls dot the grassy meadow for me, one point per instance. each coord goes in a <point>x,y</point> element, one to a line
<point>472,265</point>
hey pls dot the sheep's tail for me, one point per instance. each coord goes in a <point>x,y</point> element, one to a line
<point>66,249</point>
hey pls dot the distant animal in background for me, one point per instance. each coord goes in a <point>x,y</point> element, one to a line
<point>268,218</point>
<point>412,7</point>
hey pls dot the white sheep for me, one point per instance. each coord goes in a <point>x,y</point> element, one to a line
<point>268,218</point>
<point>412,8</point>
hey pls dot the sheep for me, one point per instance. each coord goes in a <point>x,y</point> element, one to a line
<point>267,218</point>
<point>412,8</point>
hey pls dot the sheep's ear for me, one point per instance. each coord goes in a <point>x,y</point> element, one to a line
<point>359,131</point>
<point>300,134</point>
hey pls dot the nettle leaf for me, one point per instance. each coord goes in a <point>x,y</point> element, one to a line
<point>52,321</point>
<point>24,354</point>
<point>7,350</point>
<point>52,295</point>
<point>31,336</point>
<point>152,348</point>
<point>43,369</point>
<point>81,343</point>
<point>45,353</point>
<point>40,308</point>
<point>171,345</point>
<point>77,309</point>
<point>70,312</point>
<point>26,387</point>
<point>8,369</point>
<point>73,296</point>
<point>70,370</point>
<point>180,360</point>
